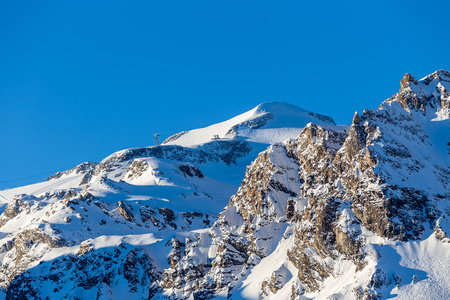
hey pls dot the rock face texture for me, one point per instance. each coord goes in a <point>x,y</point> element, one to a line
<point>338,212</point>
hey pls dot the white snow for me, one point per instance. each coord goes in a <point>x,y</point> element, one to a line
<point>287,122</point>
<point>431,257</point>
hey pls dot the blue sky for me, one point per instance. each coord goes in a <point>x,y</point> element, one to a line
<point>82,79</point>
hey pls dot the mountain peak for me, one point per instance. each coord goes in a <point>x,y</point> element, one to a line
<point>356,119</point>
<point>267,123</point>
<point>407,80</point>
<point>429,94</point>
<point>278,108</point>
<point>438,75</point>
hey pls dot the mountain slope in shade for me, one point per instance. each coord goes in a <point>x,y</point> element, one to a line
<point>333,212</point>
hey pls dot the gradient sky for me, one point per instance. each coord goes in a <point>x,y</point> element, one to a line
<point>82,79</point>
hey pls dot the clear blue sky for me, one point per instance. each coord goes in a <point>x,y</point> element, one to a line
<point>82,79</point>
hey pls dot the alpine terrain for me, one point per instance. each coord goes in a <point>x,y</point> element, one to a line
<point>275,203</point>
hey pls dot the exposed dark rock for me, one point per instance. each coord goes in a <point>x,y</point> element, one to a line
<point>441,234</point>
<point>169,216</point>
<point>407,80</point>
<point>137,168</point>
<point>290,209</point>
<point>191,171</point>
<point>84,168</point>
<point>252,124</point>
<point>126,211</point>
<point>174,137</point>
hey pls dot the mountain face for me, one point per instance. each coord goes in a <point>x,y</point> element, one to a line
<point>322,211</point>
<point>105,230</point>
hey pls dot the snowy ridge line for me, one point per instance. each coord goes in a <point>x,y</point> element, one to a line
<point>266,116</point>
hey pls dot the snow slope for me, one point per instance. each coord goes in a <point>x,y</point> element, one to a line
<point>268,123</point>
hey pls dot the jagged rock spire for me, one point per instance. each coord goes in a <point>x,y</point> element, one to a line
<point>407,80</point>
<point>356,119</point>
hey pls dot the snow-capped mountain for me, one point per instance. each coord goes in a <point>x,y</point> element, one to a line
<point>322,211</point>
<point>132,203</point>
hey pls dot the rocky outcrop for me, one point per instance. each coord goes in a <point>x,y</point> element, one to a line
<point>169,216</point>
<point>418,96</point>
<point>86,168</point>
<point>126,211</point>
<point>174,137</point>
<point>18,251</point>
<point>97,273</point>
<point>226,151</point>
<point>277,280</point>
<point>12,209</point>
<point>137,168</point>
<point>191,171</point>
<point>441,234</point>
<point>252,124</point>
